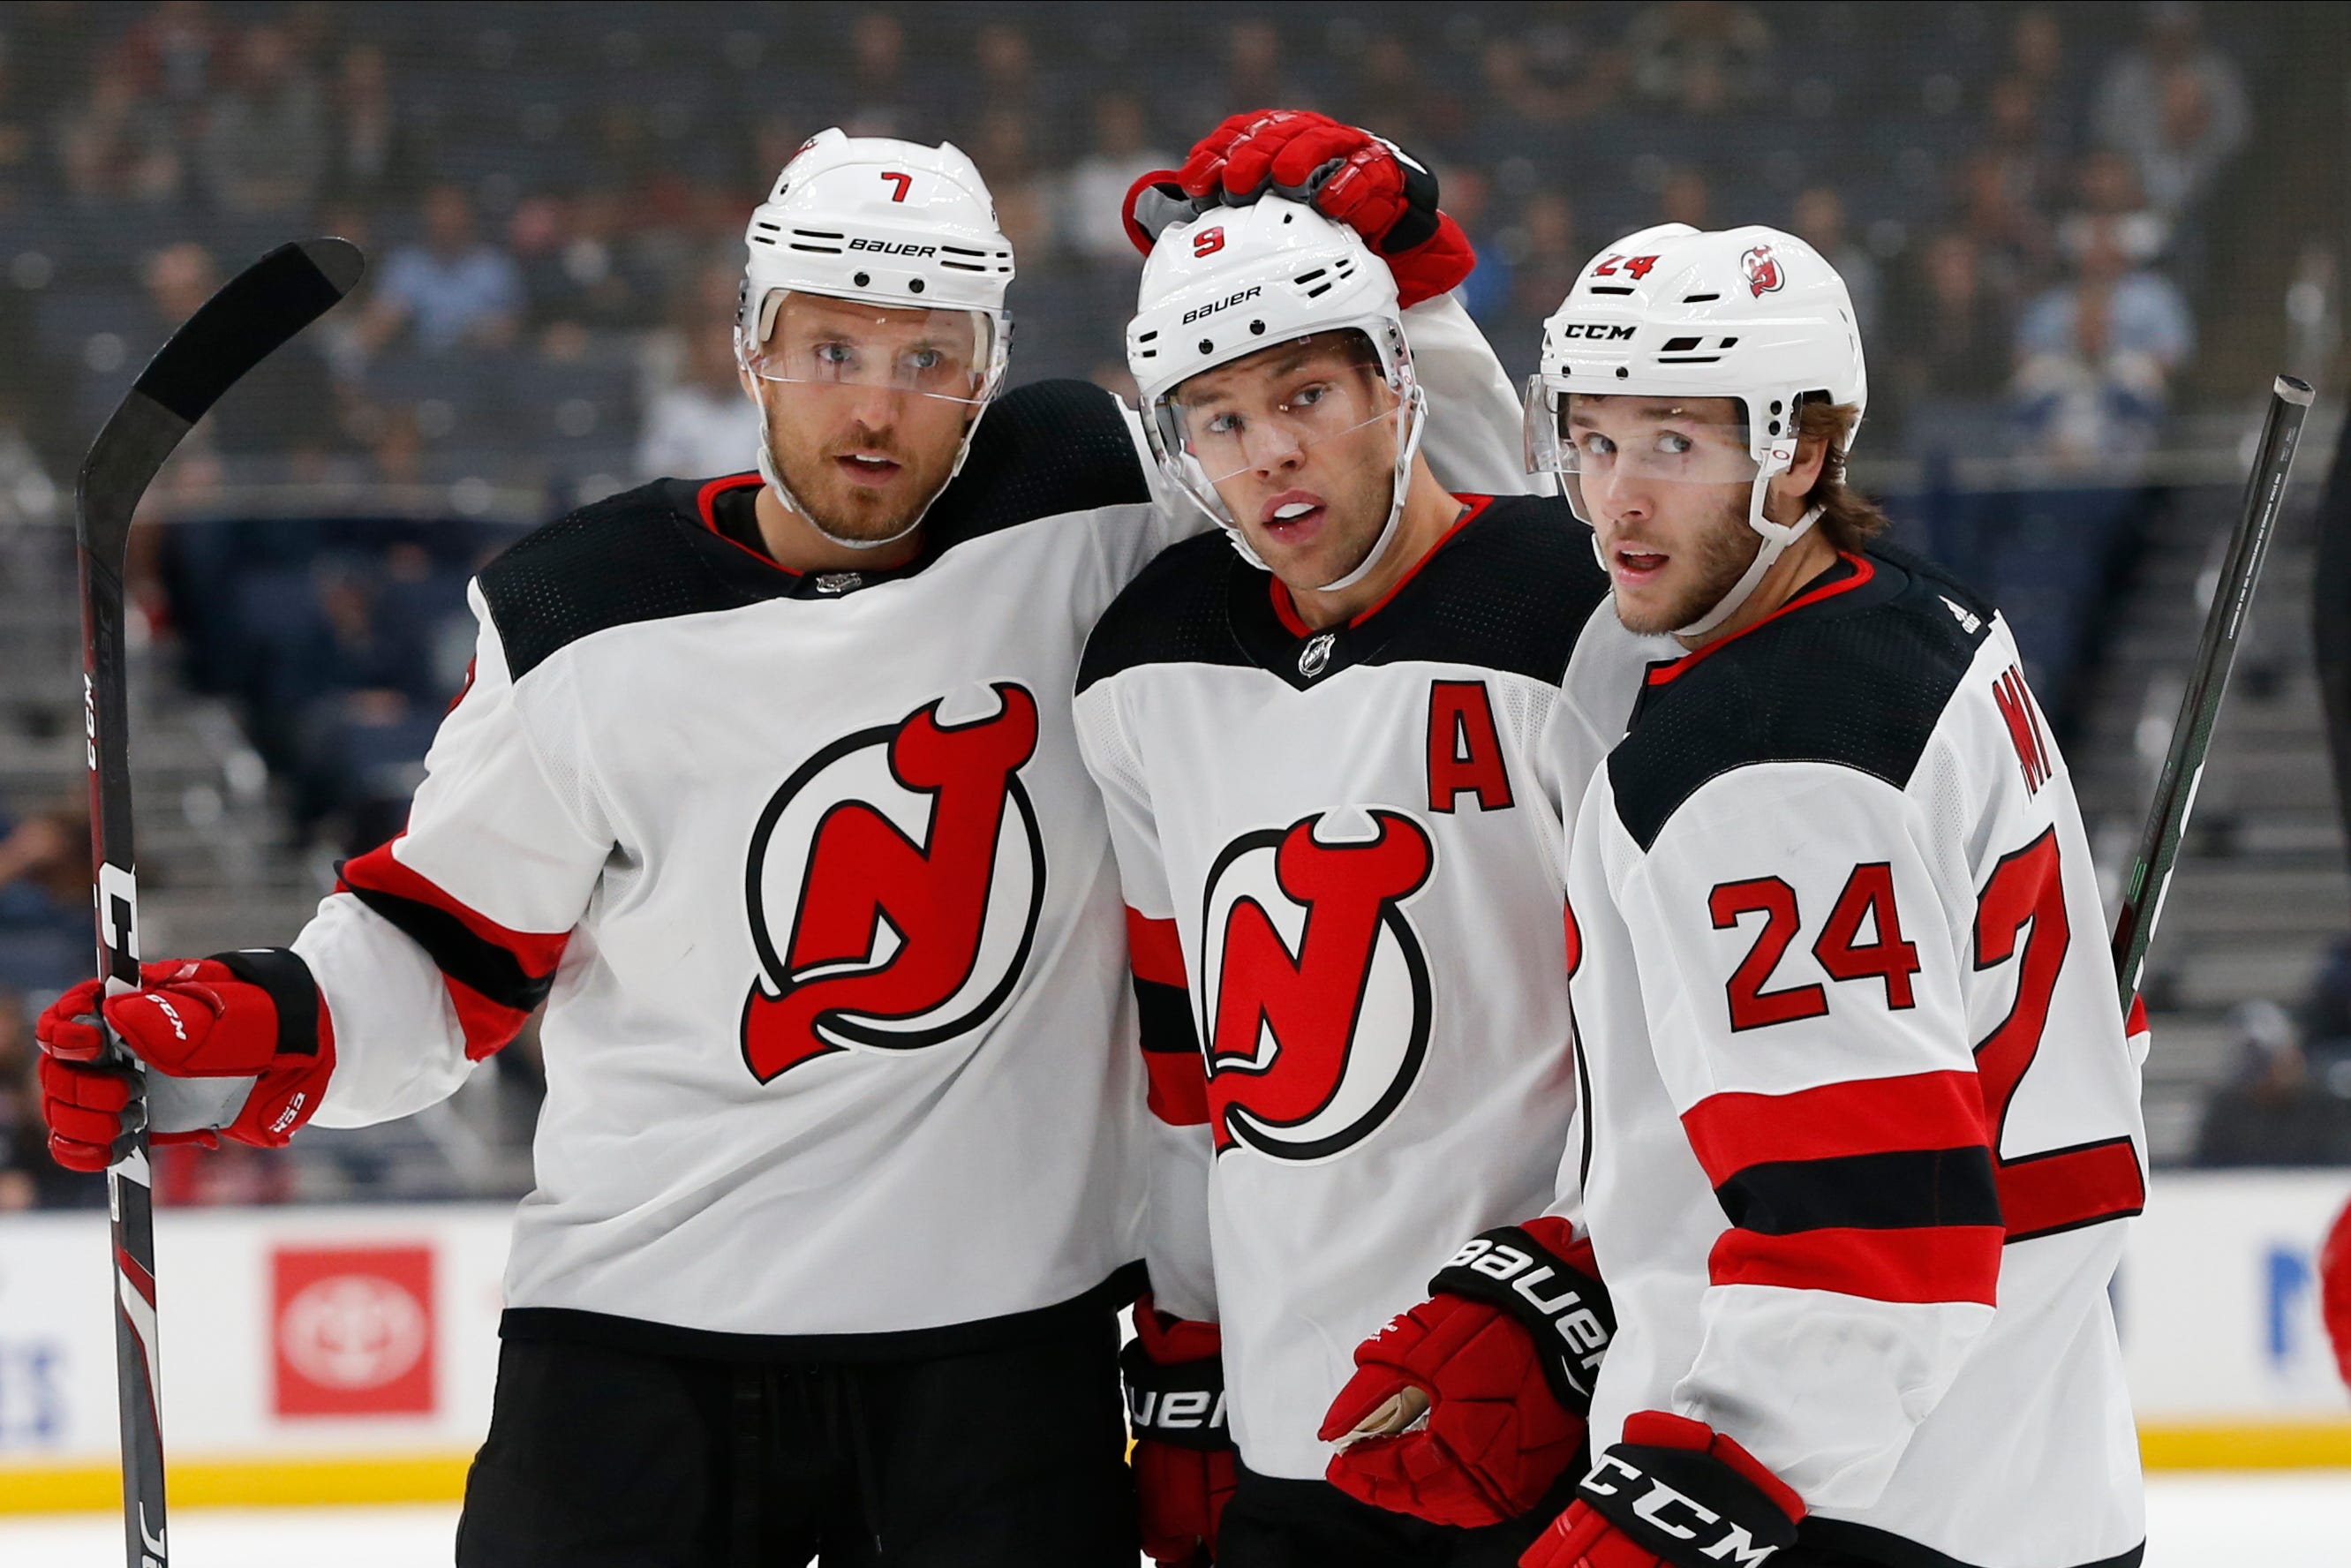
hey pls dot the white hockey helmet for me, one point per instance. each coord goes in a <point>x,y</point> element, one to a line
<point>880,222</point>
<point>1752,314</point>
<point>1238,281</point>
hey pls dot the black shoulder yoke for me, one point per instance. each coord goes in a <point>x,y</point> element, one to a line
<point>1856,671</point>
<point>1042,450</point>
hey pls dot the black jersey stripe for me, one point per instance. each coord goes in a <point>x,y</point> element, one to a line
<point>1914,1188</point>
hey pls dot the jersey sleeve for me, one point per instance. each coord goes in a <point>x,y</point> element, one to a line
<point>436,947</point>
<point>1801,982</point>
<point>1179,1147</point>
<point>1475,440</point>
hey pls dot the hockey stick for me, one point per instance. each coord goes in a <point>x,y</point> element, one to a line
<point>233,331</point>
<point>2191,734</point>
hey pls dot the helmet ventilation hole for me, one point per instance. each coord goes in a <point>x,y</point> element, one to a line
<point>1207,346</point>
<point>1257,329</point>
<point>915,285</point>
<point>862,279</point>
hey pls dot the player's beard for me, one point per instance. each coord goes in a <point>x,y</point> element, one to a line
<point>1723,553</point>
<point>843,510</point>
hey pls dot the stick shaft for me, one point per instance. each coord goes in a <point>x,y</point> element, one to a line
<point>2200,705</point>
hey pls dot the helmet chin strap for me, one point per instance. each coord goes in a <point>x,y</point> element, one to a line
<point>1415,411</point>
<point>1772,541</point>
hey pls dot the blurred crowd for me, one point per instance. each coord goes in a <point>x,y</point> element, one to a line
<point>553,195</point>
<point>552,198</point>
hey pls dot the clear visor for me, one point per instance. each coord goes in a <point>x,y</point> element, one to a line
<point>816,339</point>
<point>1603,446</point>
<point>1236,419</point>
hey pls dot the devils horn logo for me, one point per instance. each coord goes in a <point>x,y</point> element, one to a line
<point>906,864</point>
<point>1763,270</point>
<point>1318,983</point>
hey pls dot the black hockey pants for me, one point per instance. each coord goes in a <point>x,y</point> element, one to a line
<point>600,1458</point>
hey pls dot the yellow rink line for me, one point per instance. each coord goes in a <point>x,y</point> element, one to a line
<point>359,1478</point>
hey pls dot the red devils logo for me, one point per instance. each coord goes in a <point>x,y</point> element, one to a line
<point>1319,984</point>
<point>908,861</point>
<point>1763,270</point>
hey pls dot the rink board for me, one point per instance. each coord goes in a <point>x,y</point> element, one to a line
<point>347,1355</point>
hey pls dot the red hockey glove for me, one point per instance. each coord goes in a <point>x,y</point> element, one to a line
<point>2335,1290</point>
<point>1674,1492</point>
<point>1505,1351</point>
<point>1184,1464</point>
<point>1350,177</point>
<point>254,1014</point>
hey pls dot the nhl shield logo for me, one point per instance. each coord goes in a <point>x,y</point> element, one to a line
<point>1315,657</point>
<point>1763,270</point>
<point>1316,984</point>
<point>894,888</point>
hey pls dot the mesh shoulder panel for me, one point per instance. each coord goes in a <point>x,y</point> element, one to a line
<point>1174,612</point>
<point>643,555</point>
<point>1043,450</point>
<point>1860,681</point>
<point>1512,591</point>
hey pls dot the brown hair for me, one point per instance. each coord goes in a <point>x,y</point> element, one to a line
<point>1849,519</point>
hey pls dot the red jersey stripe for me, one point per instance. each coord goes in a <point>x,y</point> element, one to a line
<point>1862,573</point>
<point>1933,1264</point>
<point>1862,1116</point>
<point>1153,950</point>
<point>1178,1093</point>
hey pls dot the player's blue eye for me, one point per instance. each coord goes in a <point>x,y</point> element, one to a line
<point>1307,397</point>
<point>926,359</point>
<point>1676,443</point>
<point>834,353</point>
<point>1224,425</point>
<point>1595,445</point>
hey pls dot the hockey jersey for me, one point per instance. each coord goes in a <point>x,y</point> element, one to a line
<point>1339,851</point>
<point>1861,1130</point>
<point>809,878</point>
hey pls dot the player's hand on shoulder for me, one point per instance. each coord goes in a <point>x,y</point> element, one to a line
<point>1674,1491</point>
<point>1465,1410</point>
<point>1184,1466</point>
<point>256,1014</point>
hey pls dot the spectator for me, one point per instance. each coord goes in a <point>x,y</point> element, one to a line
<point>1024,207</point>
<point>1007,74</point>
<point>264,144</point>
<point>1700,57</point>
<point>455,288</point>
<point>173,53</point>
<point>23,1141</point>
<point>1960,332</point>
<point>46,936</point>
<point>2273,1114</point>
<point>372,156</point>
<point>1549,71</point>
<point>1486,292</point>
<point>2011,238</point>
<point>2026,142</point>
<point>2036,56</point>
<point>119,146</point>
<point>1818,220</point>
<point>1685,198</point>
<point>2111,201</point>
<point>571,270</point>
<point>2325,1014</point>
<point>701,424</point>
<point>881,103</point>
<point>1550,256</point>
<point>1391,91</point>
<point>2096,356</point>
<point>2179,165</point>
<point>1254,77</point>
<point>19,140</point>
<point>1096,186</point>
<point>2174,96</point>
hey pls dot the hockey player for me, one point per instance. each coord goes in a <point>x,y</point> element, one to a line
<point>1339,766</point>
<point>767,787</point>
<point>1861,1128</point>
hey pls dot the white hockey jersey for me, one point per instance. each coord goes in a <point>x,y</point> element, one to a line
<point>1862,1123</point>
<point>1340,854</point>
<point>820,903</point>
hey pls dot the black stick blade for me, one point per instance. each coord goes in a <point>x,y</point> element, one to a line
<point>250,319</point>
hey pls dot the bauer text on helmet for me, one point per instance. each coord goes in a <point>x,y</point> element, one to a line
<point>1698,397</point>
<point>1278,389</point>
<point>873,331</point>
